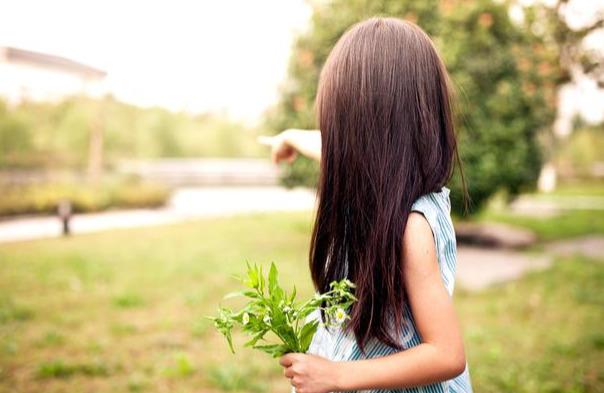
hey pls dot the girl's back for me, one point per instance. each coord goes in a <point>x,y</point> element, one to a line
<point>339,345</point>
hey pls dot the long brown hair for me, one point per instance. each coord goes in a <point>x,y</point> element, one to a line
<point>384,111</point>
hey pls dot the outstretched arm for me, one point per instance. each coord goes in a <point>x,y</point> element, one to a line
<point>439,357</point>
<point>286,145</point>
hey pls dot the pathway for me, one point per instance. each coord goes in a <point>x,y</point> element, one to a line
<point>185,204</point>
<point>589,246</point>
<point>478,267</point>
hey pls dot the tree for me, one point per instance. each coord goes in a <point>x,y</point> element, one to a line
<point>15,139</point>
<point>504,102</point>
<point>570,59</point>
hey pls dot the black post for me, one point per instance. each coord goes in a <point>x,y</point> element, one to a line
<point>64,211</point>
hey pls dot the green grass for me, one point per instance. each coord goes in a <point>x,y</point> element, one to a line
<point>568,223</point>
<point>123,312</point>
<point>61,369</point>
<point>540,334</point>
<point>578,188</point>
<point>565,225</point>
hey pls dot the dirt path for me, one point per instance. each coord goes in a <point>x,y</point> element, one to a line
<point>589,246</point>
<point>478,268</point>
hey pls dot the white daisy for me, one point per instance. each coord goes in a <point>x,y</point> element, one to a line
<point>340,316</point>
<point>267,319</point>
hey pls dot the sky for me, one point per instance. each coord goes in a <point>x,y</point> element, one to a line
<point>196,56</point>
<point>208,55</point>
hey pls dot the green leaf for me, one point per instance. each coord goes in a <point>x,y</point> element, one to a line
<point>273,282</point>
<point>306,311</point>
<point>293,295</point>
<point>261,282</point>
<point>306,335</point>
<point>256,337</point>
<point>278,296</point>
<point>231,295</point>
<point>252,276</point>
<point>229,339</point>
<point>275,350</point>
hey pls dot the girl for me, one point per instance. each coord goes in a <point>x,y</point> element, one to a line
<point>387,148</point>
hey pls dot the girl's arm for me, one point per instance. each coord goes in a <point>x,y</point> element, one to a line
<point>439,357</point>
<point>286,145</point>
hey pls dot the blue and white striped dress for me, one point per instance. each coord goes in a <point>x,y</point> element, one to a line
<point>338,345</point>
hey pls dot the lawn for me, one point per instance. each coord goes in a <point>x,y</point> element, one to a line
<point>565,225</point>
<point>123,312</point>
<point>568,223</point>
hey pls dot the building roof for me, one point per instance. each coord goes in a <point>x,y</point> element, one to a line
<point>51,61</point>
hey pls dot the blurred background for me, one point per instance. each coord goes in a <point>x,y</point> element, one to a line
<point>132,186</point>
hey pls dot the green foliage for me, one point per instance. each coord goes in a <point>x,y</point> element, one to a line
<point>57,135</point>
<point>505,99</point>
<point>302,172</point>
<point>15,138</point>
<point>504,87</point>
<point>61,369</point>
<point>181,367</point>
<point>45,198</point>
<point>272,310</point>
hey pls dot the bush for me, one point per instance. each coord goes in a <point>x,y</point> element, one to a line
<point>45,198</point>
<point>302,172</point>
<point>57,134</point>
<point>505,80</point>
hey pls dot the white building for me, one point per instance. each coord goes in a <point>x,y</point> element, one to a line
<point>27,75</point>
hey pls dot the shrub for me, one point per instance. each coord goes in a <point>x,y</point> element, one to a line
<point>505,80</point>
<point>57,134</point>
<point>44,198</point>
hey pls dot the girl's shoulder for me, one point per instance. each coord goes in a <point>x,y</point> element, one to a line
<point>433,205</point>
<point>436,208</point>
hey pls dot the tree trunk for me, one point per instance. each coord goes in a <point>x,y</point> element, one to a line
<point>95,148</point>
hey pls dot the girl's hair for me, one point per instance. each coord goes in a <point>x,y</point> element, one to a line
<point>384,111</point>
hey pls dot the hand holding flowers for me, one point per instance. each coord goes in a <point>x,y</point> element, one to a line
<point>276,322</point>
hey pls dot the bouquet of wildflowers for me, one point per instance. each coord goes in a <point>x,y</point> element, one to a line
<point>276,323</point>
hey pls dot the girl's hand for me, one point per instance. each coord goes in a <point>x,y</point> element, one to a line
<point>309,373</point>
<point>281,147</point>
<point>286,145</point>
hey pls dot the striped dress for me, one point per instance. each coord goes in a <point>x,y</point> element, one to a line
<point>338,345</point>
